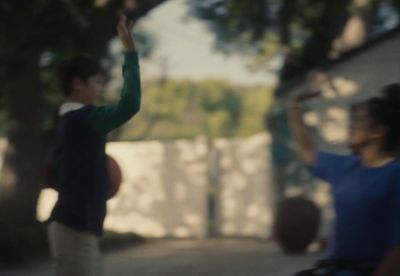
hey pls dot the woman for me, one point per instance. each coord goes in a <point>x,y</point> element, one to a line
<point>365,186</point>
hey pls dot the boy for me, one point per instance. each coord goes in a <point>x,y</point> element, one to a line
<point>79,158</point>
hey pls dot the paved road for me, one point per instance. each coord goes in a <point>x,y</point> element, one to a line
<point>226,257</point>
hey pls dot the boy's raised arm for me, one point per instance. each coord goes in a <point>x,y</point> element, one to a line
<point>109,117</point>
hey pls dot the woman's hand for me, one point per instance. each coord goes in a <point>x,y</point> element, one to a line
<point>305,96</point>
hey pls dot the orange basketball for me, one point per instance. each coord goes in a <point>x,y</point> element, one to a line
<point>115,175</point>
<point>114,172</point>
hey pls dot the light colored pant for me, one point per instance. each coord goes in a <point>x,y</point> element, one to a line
<point>75,253</point>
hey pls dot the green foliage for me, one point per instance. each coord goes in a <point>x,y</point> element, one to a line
<point>222,108</point>
<point>169,100</point>
<point>256,103</point>
<point>302,29</point>
<point>240,22</point>
<point>185,109</point>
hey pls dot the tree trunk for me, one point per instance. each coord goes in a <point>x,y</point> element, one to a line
<point>23,158</point>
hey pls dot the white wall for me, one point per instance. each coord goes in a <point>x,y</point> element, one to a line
<point>165,188</point>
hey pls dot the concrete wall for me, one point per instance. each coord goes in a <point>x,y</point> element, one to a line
<point>244,186</point>
<point>166,186</point>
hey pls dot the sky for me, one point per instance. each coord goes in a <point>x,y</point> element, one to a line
<point>185,49</point>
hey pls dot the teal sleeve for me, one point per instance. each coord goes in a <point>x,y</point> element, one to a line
<point>107,118</point>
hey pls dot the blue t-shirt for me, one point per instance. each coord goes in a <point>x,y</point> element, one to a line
<point>367,206</point>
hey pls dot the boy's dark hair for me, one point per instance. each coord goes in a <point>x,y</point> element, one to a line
<point>80,66</point>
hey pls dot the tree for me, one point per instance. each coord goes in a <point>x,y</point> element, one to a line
<point>186,109</point>
<point>29,30</point>
<point>307,33</point>
<point>222,108</point>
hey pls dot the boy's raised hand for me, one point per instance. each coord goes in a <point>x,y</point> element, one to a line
<point>124,29</point>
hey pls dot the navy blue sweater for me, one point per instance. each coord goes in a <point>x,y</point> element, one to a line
<point>79,159</point>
